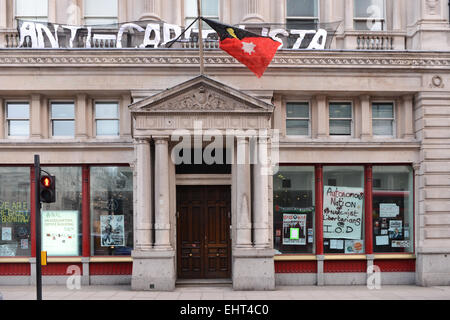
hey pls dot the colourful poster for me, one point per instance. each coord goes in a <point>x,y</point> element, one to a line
<point>112,231</point>
<point>294,229</point>
<point>354,246</point>
<point>342,212</point>
<point>60,233</point>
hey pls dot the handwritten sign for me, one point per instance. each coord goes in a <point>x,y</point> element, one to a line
<point>389,210</point>
<point>342,212</point>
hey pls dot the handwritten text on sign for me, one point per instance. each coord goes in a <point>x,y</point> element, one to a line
<point>342,212</point>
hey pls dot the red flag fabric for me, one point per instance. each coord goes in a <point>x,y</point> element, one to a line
<point>254,51</point>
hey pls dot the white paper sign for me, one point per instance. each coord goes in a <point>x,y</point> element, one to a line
<point>342,212</point>
<point>336,244</point>
<point>60,233</point>
<point>400,244</point>
<point>6,234</point>
<point>382,240</point>
<point>389,210</point>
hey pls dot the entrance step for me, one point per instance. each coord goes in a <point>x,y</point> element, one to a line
<point>204,283</point>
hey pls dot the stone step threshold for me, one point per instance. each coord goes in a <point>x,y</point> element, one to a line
<point>204,282</point>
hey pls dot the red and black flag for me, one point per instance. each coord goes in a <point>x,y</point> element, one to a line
<point>252,50</point>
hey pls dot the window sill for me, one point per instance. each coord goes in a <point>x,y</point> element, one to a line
<point>309,257</point>
<point>111,259</point>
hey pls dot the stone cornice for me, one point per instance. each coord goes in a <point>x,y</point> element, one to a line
<point>216,58</point>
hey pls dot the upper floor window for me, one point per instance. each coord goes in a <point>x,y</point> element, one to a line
<point>99,12</point>
<point>18,118</point>
<point>210,10</point>
<point>383,119</point>
<point>341,119</point>
<point>369,15</point>
<point>63,119</point>
<point>297,119</point>
<point>107,118</point>
<point>302,14</point>
<point>36,10</point>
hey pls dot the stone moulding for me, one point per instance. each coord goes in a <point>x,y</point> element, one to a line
<point>119,58</point>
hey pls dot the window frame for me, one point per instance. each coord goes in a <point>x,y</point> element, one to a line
<point>394,117</point>
<point>186,18</point>
<point>7,119</point>
<point>31,18</point>
<point>352,121</point>
<point>365,19</point>
<point>95,120</point>
<point>68,119</point>
<point>309,119</point>
<point>87,17</point>
<point>316,19</point>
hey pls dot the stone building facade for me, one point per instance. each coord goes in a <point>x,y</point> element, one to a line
<point>368,115</point>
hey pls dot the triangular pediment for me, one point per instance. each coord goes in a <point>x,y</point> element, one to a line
<point>201,95</point>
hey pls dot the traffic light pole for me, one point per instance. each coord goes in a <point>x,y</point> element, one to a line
<point>37,206</point>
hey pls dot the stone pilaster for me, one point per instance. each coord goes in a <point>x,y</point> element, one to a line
<point>150,10</point>
<point>244,223</point>
<point>3,13</point>
<point>261,196</point>
<point>143,227</point>
<point>366,117</point>
<point>81,117</point>
<point>35,117</point>
<point>162,218</point>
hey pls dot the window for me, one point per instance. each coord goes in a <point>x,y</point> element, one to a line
<point>369,15</point>
<point>61,221</point>
<point>343,209</point>
<point>392,213</point>
<point>107,118</point>
<point>100,12</point>
<point>15,237</point>
<point>341,119</point>
<point>210,10</point>
<point>302,14</point>
<point>36,10</point>
<point>297,119</point>
<point>63,115</point>
<point>293,215</point>
<point>18,118</point>
<point>383,119</point>
<point>111,211</point>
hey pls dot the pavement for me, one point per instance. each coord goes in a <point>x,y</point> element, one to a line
<point>124,292</point>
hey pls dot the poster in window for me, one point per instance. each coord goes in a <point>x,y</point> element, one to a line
<point>354,246</point>
<point>60,233</point>
<point>6,234</point>
<point>395,229</point>
<point>294,229</point>
<point>112,231</point>
<point>342,212</point>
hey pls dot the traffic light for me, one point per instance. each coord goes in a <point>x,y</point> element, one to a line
<point>47,189</point>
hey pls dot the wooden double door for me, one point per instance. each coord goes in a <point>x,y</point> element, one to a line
<point>203,232</point>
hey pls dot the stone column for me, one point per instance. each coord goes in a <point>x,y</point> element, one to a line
<point>366,117</point>
<point>261,196</point>
<point>151,9</point>
<point>253,11</point>
<point>125,117</point>
<point>3,13</point>
<point>162,218</point>
<point>81,117</point>
<point>35,117</point>
<point>407,118</point>
<point>322,117</point>
<point>348,15</point>
<point>144,195</point>
<point>244,224</point>
<point>2,120</point>
<point>396,15</point>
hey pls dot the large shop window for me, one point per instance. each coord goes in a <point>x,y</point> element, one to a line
<point>294,209</point>
<point>111,211</point>
<point>343,209</point>
<point>393,209</point>
<point>61,221</point>
<point>15,212</point>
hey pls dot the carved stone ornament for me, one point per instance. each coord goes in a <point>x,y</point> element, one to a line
<point>201,99</point>
<point>437,82</point>
<point>433,7</point>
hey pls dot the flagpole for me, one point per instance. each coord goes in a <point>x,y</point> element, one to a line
<point>200,38</point>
